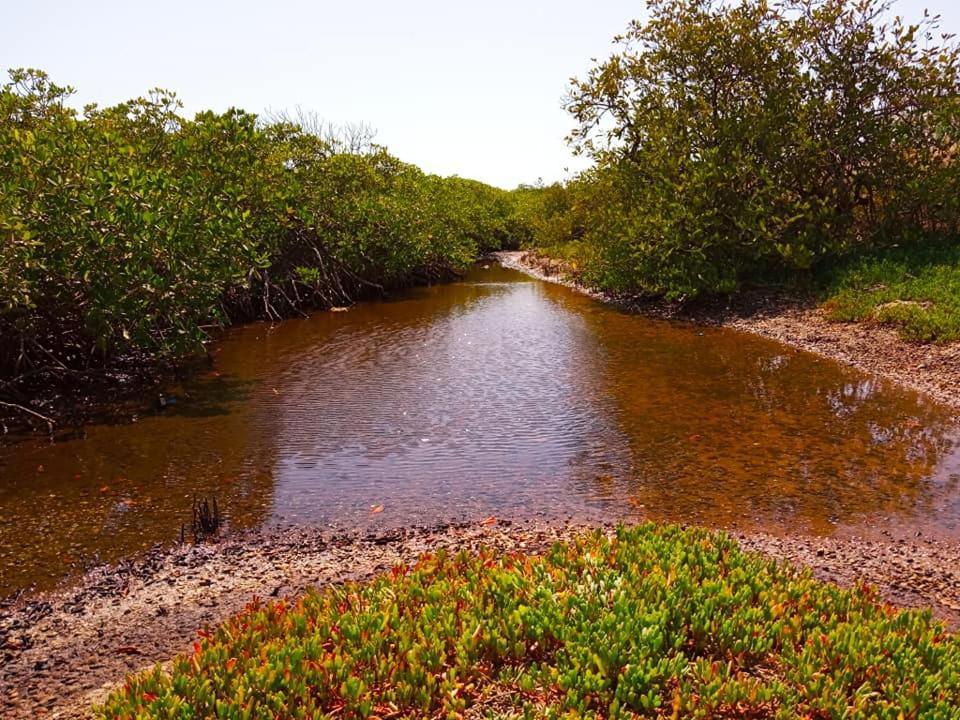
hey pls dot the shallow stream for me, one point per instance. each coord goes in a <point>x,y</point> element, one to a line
<point>497,395</point>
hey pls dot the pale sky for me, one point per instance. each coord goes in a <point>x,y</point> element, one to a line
<point>472,89</point>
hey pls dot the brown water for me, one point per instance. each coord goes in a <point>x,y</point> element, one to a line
<point>498,395</point>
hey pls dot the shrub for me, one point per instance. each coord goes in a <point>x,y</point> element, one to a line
<point>133,229</point>
<point>732,139</point>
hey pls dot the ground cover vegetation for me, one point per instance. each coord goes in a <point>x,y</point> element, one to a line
<point>134,229</point>
<point>915,288</point>
<point>737,141</point>
<point>657,621</point>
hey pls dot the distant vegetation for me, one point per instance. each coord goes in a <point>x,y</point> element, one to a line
<point>657,622</point>
<point>734,141</point>
<point>134,229</point>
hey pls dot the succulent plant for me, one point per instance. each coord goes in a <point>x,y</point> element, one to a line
<point>655,621</point>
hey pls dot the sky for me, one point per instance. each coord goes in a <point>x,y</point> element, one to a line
<point>471,89</point>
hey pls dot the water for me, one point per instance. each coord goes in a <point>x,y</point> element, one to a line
<point>499,395</point>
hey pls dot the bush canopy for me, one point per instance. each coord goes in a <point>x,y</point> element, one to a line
<point>135,229</point>
<point>735,139</point>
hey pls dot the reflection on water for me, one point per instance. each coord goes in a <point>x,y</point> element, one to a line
<point>497,395</point>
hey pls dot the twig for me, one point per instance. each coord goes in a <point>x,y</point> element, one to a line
<point>50,423</point>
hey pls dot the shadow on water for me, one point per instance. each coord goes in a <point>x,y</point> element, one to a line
<point>496,395</point>
<point>211,395</point>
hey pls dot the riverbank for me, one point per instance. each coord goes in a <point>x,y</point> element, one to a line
<point>63,651</point>
<point>930,369</point>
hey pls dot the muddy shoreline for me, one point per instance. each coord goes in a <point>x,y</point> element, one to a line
<point>932,370</point>
<point>60,652</point>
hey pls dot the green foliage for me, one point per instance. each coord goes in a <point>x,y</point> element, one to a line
<point>915,288</point>
<point>657,621</point>
<point>133,228</point>
<point>550,214</point>
<point>733,139</point>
